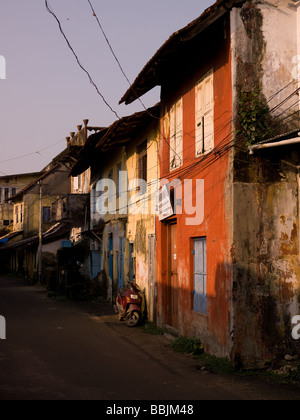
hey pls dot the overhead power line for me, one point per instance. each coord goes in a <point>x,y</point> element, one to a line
<point>118,61</point>
<point>126,77</point>
<point>49,10</point>
<point>37,152</point>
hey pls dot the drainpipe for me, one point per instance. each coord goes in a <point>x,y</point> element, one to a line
<point>252,149</point>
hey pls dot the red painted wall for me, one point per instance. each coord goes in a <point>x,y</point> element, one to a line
<point>214,328</point>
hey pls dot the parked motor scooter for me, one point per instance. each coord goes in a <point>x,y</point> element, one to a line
<point>129,305</point>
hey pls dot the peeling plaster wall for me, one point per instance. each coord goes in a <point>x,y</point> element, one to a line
<point>111,224</point>
<point>265,248</point>
<point>298,29</point>
<point>297,64</point>
<point>266,280</point>
<point>141,226</point>
<point>264,43</point>
<point>213,328</point>
<point>280,34</point>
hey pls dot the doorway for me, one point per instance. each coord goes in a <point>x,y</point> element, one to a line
<point>96,264</point>
<point>111,258</point>
<point>172,298</point>
<point>131,262</point>
<point>151,278</point>
<point>121,263</point>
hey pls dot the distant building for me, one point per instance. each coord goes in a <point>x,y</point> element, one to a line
<point>10,186</point>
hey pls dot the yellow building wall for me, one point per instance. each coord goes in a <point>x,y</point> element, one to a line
<point>140,226</point>
<point>115,224</point>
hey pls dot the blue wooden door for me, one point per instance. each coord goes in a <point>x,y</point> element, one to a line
<point>111,257</point>
<point>200,276</point>
<point>96,264</point>
<point>131,262</point>
<point>121,263</point>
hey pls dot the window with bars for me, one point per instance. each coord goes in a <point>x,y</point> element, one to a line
<point>143,164</point>
<point>46,214</point>
<point>111,190</point>
<point>119,169</point>
<point>16,214</point>
<point>6,193</point>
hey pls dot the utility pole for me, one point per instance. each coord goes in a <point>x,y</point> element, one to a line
<point>40,251</point>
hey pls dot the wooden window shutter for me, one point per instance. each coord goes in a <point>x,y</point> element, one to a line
<point>209,114</point>
<point>173,137</point>
<point>176,135</point>
<point>179,133</point>
<point>142,161</point>
<point>75,183</point>
<point>199,119</point>
<point>204,109</point>
<point>145,169</point>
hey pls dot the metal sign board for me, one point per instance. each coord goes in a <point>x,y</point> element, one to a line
<point>166,208</point>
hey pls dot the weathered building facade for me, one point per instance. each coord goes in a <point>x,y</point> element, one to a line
<point>9,186</point>
<point>196,199</point>
<point>30,204</point>
<point>143,175</point>
<point>123,160</point>
<point>265,252</point>
<point>231,274</point>
<point>46,206</point>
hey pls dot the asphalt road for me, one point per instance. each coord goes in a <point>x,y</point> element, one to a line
<point>71,351</point>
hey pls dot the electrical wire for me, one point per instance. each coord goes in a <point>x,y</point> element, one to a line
<point>49,10</point>
<point>222,127</point>
<point>220,150</point>
<point>38,152</point>
<point>163,137</point>
<point>195,168</point>
<point>125,75</point>
<point>88,74</point>
<point>119,63</point>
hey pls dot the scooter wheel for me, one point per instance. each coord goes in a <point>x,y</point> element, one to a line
<point>133,319</point>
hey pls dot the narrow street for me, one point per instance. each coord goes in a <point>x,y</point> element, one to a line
<point>65,350</point>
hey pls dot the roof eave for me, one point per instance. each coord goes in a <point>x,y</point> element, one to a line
<point>123,131</point>
<point>149,76</point>
<point>34,183</point>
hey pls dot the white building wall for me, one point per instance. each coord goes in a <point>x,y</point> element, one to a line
<point>281,36</point>
<point>280,33</point>
<point>297,63</point>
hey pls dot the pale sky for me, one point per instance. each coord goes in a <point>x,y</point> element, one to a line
<point>46,95</point>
